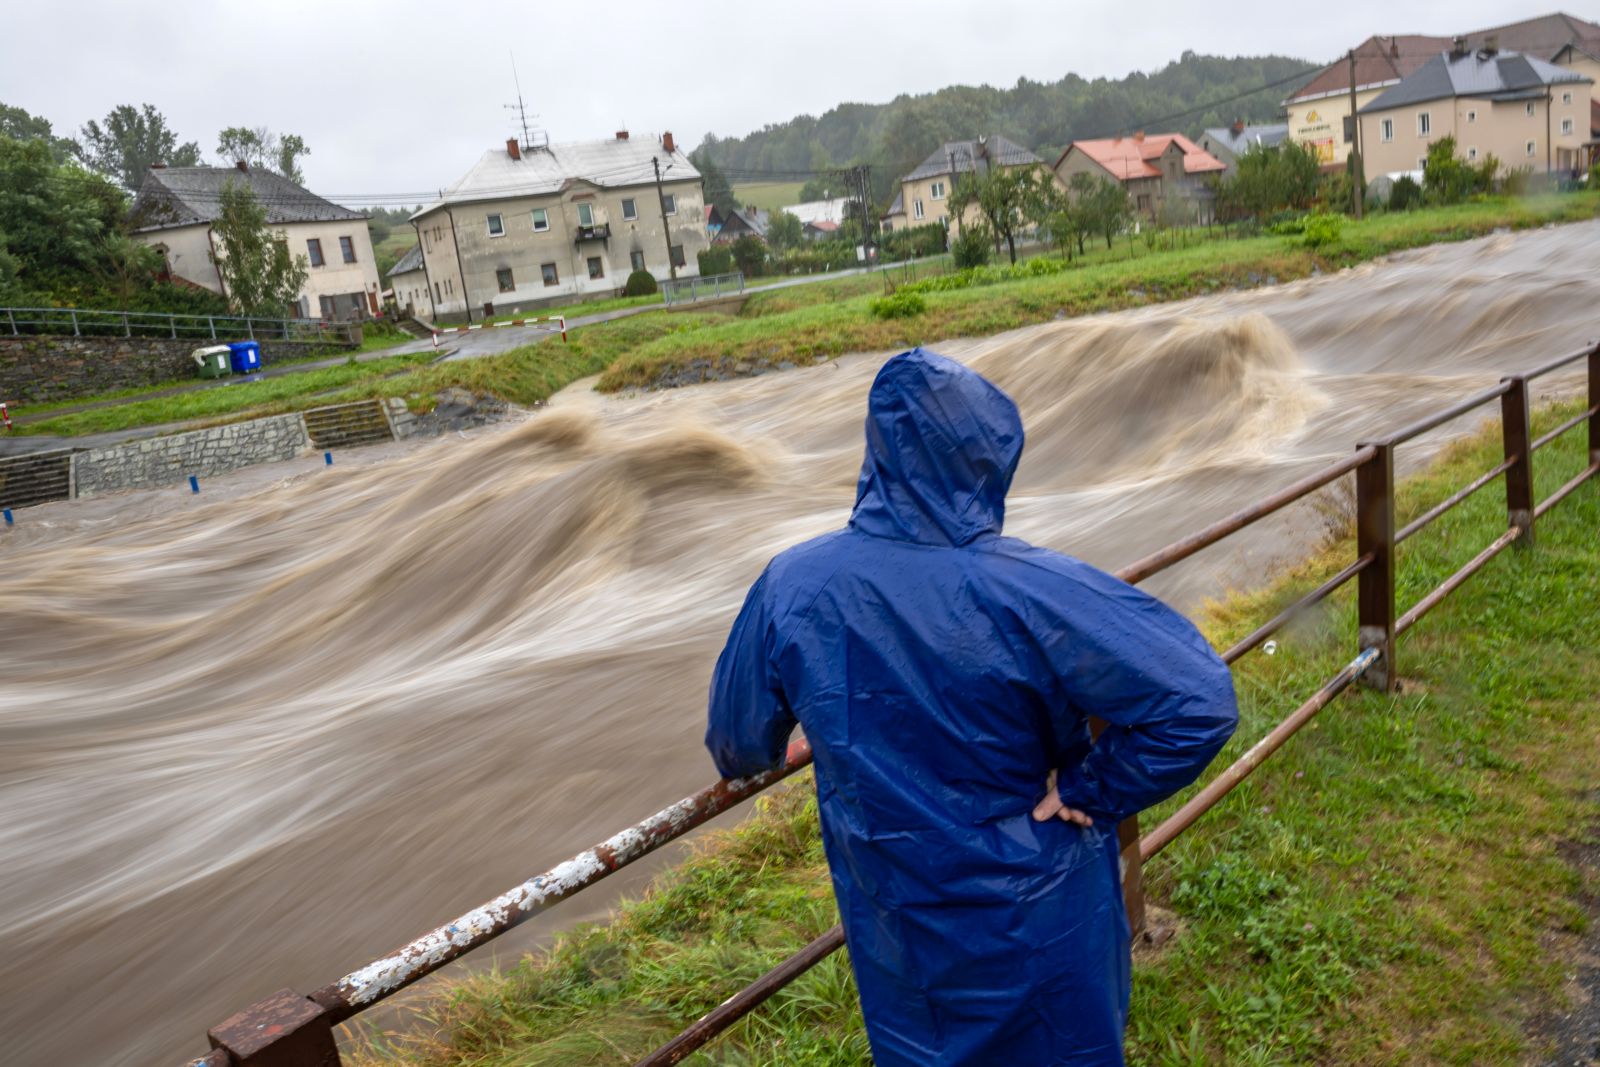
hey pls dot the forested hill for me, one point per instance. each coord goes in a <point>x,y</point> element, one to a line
<point>1042,116</point>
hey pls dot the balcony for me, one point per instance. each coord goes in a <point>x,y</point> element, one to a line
<point>602,232</point>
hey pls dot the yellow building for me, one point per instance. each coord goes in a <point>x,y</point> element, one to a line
<point>924,194</point>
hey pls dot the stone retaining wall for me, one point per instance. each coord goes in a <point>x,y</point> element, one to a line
<point>38,370</point>
<point>169,460</point>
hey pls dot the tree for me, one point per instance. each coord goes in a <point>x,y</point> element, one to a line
<point>1082,188</point>
<point>783,231</point>
<point>55,218</point>
<point>718,190</point>
<point>131,139</point>
<point>1100,206</point>
<point>1449,179</point>
<point>1266,180</point>
<point>17,123</point>
<point>750,254</point>
<point>259,274</point>
<point>259,147</point>
<point>1005,195</point>
<point>818,189</point>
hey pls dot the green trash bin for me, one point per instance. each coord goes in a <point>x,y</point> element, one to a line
<point>213,361</point>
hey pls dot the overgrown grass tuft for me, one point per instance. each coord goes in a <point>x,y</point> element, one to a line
<point>1381,892</point>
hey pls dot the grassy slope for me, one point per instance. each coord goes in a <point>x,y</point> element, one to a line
<point>1379,893</point>
<point>768,195</point>
<point>839,326</point>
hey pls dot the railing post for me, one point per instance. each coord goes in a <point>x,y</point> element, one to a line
<point>284,1030</point>
<point>127,327</point>
<point>211,324</point>
<point>1516,425</point>
<point>11,318</point>
<point>250,327</point>
<point>172,324</point>
<point>1132,873</point>
<point>1594,402</point>
<point>1375,586</point>
<point>75,323</point>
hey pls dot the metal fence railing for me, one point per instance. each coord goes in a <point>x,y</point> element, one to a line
<point>291,1030</point>
<point>84,322</point>
<point>688,290</point>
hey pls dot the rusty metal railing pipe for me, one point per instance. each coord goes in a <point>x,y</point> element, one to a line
<point>1278,621</point>
<point>1224,783</point>
<point>1577,420</point>
<point>426,954</point>
<point>1455,581</point>
<point>1556,364</point>
<point>714,1022</point>
<point>1416,524</point>
<point>1178,551</point>
<point>1561,494</point>
<point>1454,411</point>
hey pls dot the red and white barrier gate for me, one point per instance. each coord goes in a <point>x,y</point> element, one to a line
<point>554,322</point>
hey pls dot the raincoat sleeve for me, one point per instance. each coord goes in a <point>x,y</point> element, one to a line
<point>1166,697</point>
<point>749,720</point>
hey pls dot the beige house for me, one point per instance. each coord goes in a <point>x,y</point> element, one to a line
<point>177,207</point>
<point>1153,168</point>
<point>409,283</point>
<point>1318,113</point>
<point>924,194</point>
<point>1525,112</point>
<point>532,226</point>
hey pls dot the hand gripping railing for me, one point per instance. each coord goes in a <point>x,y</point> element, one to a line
<point>290,1030</point>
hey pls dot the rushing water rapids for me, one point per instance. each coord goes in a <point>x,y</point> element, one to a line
<point>251,742</point>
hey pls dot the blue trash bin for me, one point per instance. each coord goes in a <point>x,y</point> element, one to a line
<point>245,356</point>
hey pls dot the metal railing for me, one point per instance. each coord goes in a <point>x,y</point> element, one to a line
<point>291,1030</point>
<point>688,290</point>
<point>84,322</point>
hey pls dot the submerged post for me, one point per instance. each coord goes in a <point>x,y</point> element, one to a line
<point>1516,424</point>
<point>1375,586</point>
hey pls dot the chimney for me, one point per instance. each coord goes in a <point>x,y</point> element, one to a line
<point>667,143</point>
<point>1491,44</point>
<point>513,149</point>
<point>1139,136</point>
<point>1238,127</point>
<point>622,135</point>
<point>1458,47</point>
<point>158,165</point>
<point>243,167</point>
<point>1394,48</point>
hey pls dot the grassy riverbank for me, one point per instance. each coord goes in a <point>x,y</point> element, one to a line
<point>1389,889</point>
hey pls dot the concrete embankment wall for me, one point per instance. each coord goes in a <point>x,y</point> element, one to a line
<point>168,460</point>
<point>45,369</point>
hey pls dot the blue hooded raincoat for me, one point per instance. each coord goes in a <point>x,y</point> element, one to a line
<point>940,672</point>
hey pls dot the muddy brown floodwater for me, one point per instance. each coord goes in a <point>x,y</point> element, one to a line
<point>253,742</point>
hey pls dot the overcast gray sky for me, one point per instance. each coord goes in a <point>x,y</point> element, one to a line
<point>402,96</point>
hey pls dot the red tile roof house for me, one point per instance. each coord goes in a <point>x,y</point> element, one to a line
<point>1152,167</point>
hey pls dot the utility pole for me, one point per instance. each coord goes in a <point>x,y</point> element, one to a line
<point>1358,180</point>
<point>666,229</point>
<point>951,192</point>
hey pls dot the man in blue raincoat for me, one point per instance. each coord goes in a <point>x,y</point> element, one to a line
<point>943,675</point>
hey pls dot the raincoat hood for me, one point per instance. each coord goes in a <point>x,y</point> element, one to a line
<point>942,446</point>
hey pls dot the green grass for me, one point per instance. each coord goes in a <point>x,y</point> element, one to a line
<point>1382,891</point>
<point>572,311</point>
<point>768,195</point>
<point>825,329</point>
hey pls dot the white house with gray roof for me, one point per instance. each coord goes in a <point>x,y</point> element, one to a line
<point>535,225</point>
<point>1228,143</point>
<point>924,193</point>
<point>409,283</point>
<point>177,208</point>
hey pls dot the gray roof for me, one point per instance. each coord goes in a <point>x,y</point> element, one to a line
<point>1492,76</point>
<point>1000,150</point>
<point>543,170</point>
<point>183,196</point>
<point>898,205</point>
<point>409,262</point>
<point>1249,137</point>
<point>754,219</point>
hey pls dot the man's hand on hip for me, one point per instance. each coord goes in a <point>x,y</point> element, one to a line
<point>1052,807</point>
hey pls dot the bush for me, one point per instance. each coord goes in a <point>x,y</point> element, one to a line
<point>751,255</point>
<point>640,283</point>
<point>1406,194</point>
<point>901,305</point>
<point>925,240</point>
<point>972,248</point>
<point>717,259</point>
<point>1594,175</point>
<point>1321,230</point>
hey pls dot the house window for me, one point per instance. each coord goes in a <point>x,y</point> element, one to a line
<point>585,214</point>
<point>637,260</point>
<point>1566,98</point>
<point>541,220</point>
<point>1472,116</point>
<point>1388,129</point>
<point>1527,109</point>
<point>1472,153</point>
<point>629,210</point>
<point>916,206</point>
<point>596,268</point>
<point>1532,147</point>
<point>314,247</point>
<point>1422,164</point>
<point>550,275</point>
<point>503,276</point>
<point>497,226</point>
<point>438,297</point>
<point>347,249</point>
<point>938,190</point>
<point>676,252</point>
<point>1566,125</point>
<point>427,240</point>
<point>1424,124</point>
<point>669,203</point>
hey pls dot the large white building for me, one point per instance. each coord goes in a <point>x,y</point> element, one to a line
<point>177,207</point>
<point>535,225</point>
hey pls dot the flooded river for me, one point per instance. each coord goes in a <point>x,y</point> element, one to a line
<point>251,740</point>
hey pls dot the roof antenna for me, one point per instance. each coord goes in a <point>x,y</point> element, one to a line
<point>519,107</point>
